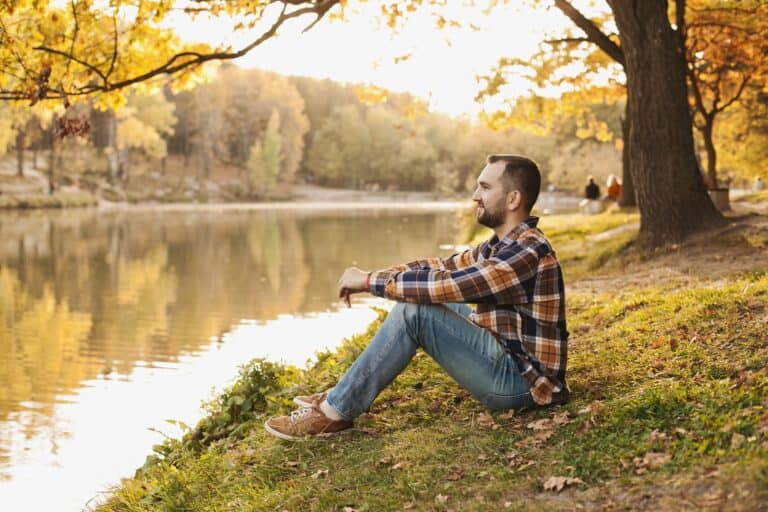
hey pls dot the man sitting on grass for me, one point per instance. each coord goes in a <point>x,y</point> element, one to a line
<point>510,352</point>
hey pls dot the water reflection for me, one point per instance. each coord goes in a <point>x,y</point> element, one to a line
<point>94,304</point>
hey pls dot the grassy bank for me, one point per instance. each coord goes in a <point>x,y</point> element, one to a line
<point>57,200</point>
<point>669,407</point>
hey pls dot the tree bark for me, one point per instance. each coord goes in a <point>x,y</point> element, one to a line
<point>627,186</point>
<point>52,161</point>
<point>20,153</point>
<point>707,133</point>
<point>671,196</point>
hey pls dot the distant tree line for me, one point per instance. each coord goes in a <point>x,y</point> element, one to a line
<point>276,130</point>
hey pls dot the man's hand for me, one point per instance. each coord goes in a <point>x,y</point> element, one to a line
<point>352,281</point>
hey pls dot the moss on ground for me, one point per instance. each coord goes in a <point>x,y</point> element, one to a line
<point>669,411</point>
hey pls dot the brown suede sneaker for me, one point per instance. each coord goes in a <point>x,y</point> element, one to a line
<point>308,400</point>
<point>307,421</point>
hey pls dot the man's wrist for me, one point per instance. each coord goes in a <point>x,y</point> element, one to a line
<point>368,281</point>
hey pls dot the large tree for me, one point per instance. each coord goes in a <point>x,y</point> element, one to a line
<point>670,191</point>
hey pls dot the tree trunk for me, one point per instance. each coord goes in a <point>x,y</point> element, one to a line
<point>709,146</point>
<point>20,153</point>
<point>52,162</point>
<point>627,187</point>
<point>671,196</point>
<point>113,158</point>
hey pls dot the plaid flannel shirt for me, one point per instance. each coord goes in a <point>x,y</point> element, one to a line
<point>517,286</point>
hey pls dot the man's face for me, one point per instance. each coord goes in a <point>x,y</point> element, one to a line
<point>491,196</point>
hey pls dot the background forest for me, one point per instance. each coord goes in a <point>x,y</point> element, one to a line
<point>249,133</point>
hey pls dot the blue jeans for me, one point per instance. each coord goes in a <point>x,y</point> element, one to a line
<point>471,355</point>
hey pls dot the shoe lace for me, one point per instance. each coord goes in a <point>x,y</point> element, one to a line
<point>302,413</point>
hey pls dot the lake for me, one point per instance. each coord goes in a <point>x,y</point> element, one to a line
<point>114,321</point>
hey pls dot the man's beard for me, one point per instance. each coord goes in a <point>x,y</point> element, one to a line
<point>491,219</point>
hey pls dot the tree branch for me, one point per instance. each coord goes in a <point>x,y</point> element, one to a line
<point>72,58</point>
<point>174,64</point>
<point>568,40</point>
<point>593,32</point>
<point>736,96</point>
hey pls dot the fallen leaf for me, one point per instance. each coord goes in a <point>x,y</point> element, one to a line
<point>454,476</point>
<point>658,364</point>
<point>486,420</point>
<point>525,466</point>
<point>762,424</point>
<point>508,415</point>
<point>409,505</point>
<point>349,509</point>
<point>561,419</point>
<point>441,498</point>
<point>398,466</point>
<point>657,436</point>
<point>658,342</point>
<point>319,473</point>
<point>514,459</point>
<point>727,427</point>
<point>558,483</point>
<point>737,440</point>
<point>651,460</point>
<point>507,504</point>
<point>384,461</point>
<point>290,463</point>
<point>542,424</point>
<point>543,435</point>
<point>593,408</point>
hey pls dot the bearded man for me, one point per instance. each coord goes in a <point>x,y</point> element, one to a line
<point>509,350</point>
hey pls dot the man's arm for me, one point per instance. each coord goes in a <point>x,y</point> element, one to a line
<point>507,278</point>
<point>453,262</point>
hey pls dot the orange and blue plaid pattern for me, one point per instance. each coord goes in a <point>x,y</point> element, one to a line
<point>517,286</point>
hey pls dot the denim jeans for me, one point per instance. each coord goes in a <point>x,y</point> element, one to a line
<point>471,355</point>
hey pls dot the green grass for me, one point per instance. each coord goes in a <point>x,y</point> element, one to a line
<point>58,200</point>
<point>754,197</point>
<point>678,371</point>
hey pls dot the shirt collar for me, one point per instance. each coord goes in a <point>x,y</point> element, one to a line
<point>518,230</point>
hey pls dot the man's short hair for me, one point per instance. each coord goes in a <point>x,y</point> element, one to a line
<point>520,173</point>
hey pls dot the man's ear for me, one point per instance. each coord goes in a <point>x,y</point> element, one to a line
<point>515,201</point>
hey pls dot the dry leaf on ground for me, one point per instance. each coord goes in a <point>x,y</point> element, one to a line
<point>485,420</point>
<point>562,418</point>
<point>542,424</point>
<point>454,476</point>
<point>319,474</point>
<point>558,483</point>
<point>657,436</point>
<point>737,440</point>
<point>508,415</point>
<point>593,408</point>
<point>651,460</point>
<point>399,465</point>
<point>441,498</point>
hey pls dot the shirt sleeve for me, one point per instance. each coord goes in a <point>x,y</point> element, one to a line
<point>454,262</point>
<point>509,277</point>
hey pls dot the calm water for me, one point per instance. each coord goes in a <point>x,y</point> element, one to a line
<point>112,322</point>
